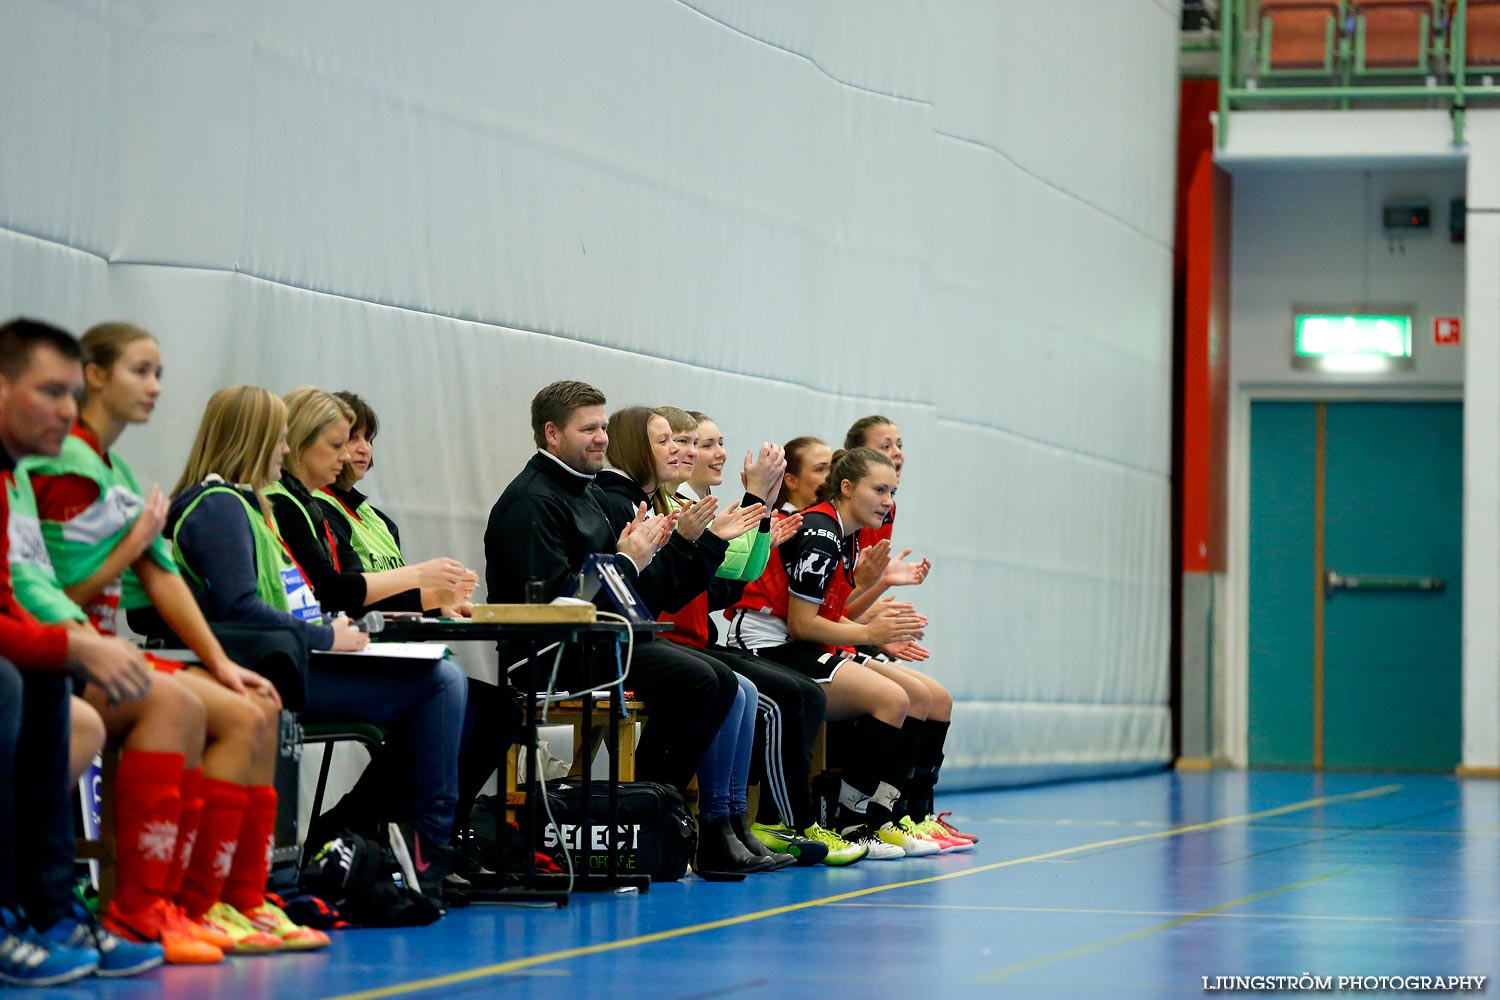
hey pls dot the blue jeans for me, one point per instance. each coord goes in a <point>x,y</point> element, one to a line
<point>420,704</point>
<point>724,768</point>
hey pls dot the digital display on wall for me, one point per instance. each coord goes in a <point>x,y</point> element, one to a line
<point>1333,337</point>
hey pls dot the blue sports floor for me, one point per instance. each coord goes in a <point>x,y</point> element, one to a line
<point>1134,887</point>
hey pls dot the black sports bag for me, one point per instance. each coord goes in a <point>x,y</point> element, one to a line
<point>657,835</point>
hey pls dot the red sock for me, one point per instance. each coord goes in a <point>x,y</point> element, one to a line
<point>187,827</point>
<point>246,888</point>
<point>148,804</point>
<point>213,855</point>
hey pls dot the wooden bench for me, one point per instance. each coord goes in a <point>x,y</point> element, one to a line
<point>570,713</point>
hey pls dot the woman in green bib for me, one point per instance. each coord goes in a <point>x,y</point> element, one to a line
<point>363,533</point>
<point>361,539</point>
<point>318,448</point>
<point>226,538</point>
<point>102,534</point>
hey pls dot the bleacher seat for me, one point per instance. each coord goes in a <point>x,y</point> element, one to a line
<point>1298,36</point>
<point>1482,36</point>
<point>1392,35</point>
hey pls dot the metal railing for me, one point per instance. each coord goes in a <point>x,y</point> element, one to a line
<point>1248,77</point>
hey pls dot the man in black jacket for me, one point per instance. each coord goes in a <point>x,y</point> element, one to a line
<point>548,520</point>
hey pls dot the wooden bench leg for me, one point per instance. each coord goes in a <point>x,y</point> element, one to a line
<point>625,752</point>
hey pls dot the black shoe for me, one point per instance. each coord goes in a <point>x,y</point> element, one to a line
<point>456,890</point>
<point>322,829</point>
<point>721,856</point>
<point>469,856</point>
<point>753,844</point>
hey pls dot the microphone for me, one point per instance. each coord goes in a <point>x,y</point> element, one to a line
<point>371,622</point>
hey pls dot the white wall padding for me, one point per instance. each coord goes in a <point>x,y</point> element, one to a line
<point>788,214</point>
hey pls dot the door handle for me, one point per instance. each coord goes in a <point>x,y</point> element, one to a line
<point>1333,581</point>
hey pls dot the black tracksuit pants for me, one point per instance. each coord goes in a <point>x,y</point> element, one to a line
<point>687,695</point>
<point>791,709</point>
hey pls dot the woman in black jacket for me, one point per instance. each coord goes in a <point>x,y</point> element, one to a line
<point>643,456</point>
<point>318,432</point>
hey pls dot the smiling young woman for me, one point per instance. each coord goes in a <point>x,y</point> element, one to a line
<point>884,568</point>
<point>364,538</point>
<point>796,615</point>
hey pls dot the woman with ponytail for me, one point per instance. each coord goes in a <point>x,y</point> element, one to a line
<point>880,570</point>
<point>795,615</point>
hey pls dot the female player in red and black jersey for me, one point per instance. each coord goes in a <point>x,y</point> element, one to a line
<point>880,572</point>
<point>795,614</point>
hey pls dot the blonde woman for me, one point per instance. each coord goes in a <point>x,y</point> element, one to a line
<point>226,538</point>
<point>364,537</point>
<point>790,706</point>
<point>318,429</point>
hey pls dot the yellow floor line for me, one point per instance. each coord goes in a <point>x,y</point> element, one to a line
<point>1083,911</point>
<point>517,964</point>
<point>1087,949</point>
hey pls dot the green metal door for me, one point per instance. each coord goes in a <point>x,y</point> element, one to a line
<point>1355,588</point>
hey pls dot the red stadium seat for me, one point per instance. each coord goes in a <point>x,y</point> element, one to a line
<point>1482,37</point>
<point>1392,34</point>
<point>1298,35</point>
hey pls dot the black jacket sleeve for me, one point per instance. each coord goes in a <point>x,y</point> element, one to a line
<point>527,540</point>
<point>335,591</point>
<point>680,571</point>
<point>350,562</point>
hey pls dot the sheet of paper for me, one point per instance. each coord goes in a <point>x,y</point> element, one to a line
<point>397,650</point>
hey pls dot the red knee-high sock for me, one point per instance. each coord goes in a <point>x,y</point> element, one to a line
<point>213,855</point>
<point>246,888</point>
<point>148,804</point>
<point>187,827</point>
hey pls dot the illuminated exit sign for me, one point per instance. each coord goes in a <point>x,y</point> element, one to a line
<point>1356,342</point>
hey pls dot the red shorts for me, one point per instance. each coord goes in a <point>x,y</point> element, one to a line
<point>164,665</point>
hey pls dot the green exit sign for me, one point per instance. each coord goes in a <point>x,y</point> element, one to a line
<point>1332,337</point>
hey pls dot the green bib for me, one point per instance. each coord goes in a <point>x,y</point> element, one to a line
<point>369,535</point>
<point>80,545</point>
<point>278,490</point>
<point>278,580</point>
<point>32,576</point>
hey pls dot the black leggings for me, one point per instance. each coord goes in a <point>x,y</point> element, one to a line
<point>687,695</point>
